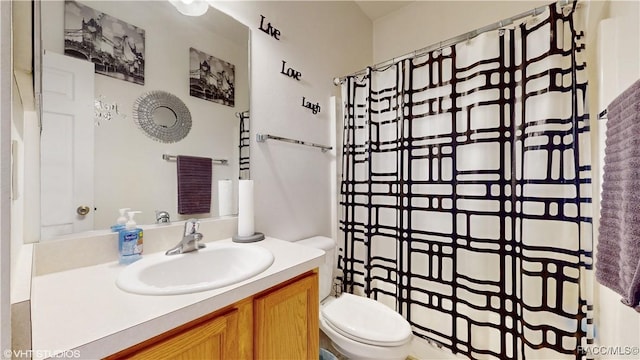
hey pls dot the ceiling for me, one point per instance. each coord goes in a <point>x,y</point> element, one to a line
<point>378,9</point>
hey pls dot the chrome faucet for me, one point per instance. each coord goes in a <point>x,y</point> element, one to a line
<point>190,241</point>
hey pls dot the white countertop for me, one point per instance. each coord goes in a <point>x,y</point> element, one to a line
<point>82,313</point>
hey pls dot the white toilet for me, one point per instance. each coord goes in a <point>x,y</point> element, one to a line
<point>359,328</point>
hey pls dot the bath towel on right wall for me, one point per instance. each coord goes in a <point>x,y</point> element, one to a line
<point>618,256</point>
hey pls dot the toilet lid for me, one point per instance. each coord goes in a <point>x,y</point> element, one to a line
<point>366,320</point>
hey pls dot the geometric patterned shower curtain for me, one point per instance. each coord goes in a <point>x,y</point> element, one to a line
<point>466,191</point>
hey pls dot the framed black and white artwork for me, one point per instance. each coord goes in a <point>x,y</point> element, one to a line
<point>211,78</point>
<point>114,46</point>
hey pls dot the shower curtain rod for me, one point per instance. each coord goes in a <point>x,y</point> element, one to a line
<point>454,40</point>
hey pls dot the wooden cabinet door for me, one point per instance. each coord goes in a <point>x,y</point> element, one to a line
<point>286,321</point>
<point>213,339</point>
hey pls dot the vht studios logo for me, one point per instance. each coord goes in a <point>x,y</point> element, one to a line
<point>52,354</point>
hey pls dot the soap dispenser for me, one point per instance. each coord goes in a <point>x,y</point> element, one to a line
<point>130,241</point>
<point>121,222</point>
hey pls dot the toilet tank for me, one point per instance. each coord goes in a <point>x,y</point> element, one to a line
<point>326,269</point>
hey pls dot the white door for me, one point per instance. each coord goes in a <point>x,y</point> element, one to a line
<point>66,148</point>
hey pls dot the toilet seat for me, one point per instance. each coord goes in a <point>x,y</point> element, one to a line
<point>366,321</point>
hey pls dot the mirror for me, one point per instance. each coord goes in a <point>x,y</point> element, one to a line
<point>130,170</point>
<point>164,117</point>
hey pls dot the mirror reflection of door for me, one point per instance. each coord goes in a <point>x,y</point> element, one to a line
<point>164,117</point>
<point>66,175</point>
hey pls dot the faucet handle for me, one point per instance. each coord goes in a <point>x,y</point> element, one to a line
<point>191,226</point>
<point>162,217</point>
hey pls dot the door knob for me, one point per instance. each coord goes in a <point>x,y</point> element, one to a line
<point>82,210</point>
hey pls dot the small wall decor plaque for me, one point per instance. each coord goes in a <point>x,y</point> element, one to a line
<point>315,108</point>
<point>290,72</point>
<point>269,29</point>
<point>105,110</point>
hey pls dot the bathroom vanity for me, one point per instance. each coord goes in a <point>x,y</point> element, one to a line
<point>272,315</point>
<point>281,322</point>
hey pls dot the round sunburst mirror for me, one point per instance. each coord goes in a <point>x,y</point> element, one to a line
<point>162,116</point>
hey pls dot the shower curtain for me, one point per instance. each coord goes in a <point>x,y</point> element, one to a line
<point>465,191</point>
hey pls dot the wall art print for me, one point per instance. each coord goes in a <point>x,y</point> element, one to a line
<point>114,46</point>
<point>211,78</point>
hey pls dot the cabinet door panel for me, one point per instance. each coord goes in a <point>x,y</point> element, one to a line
<point>286,321</point>
<point>214,339</point>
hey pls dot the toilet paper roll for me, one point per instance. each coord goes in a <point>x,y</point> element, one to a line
<point>245,208</point>
<point>225,197</point>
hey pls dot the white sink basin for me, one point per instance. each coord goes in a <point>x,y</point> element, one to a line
<point>213,267</point>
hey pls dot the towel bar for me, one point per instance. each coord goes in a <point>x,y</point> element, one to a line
<point>602,115</point>
<point>215,161</point>
<point>243,114</point>
<point>264,137</point>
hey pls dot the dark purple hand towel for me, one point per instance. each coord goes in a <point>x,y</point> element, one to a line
<point>618,256</point>
<point>194,185</point>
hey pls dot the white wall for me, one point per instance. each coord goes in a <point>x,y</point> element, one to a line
<point>129,170</point>
<point>618,66</point>
<point>5,175</point>
<point>322,40</point>
<point>424,23</point>
<point>16,151</point>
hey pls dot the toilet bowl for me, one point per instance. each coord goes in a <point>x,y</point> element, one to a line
<point>359,328</point>
<point>362,328</point>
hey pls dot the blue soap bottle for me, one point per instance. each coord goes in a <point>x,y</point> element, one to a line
<point>121,222</point>
<point>130,241</point>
